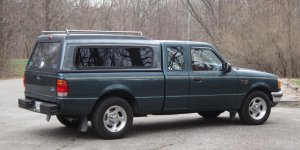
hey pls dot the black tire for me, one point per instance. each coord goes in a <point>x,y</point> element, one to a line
<point>246,113</point>
<point>69,123</point>
<point>99,116</point>
<point>210,114</point>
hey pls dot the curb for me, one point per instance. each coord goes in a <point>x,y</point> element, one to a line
<point>293,104</point>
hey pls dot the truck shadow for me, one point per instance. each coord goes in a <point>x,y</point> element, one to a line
<point>141,127</point>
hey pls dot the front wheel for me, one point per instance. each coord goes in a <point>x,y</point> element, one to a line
<point>255,109</point>
<point>112,118</point>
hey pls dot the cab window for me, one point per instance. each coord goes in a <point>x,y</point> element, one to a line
<point>175,58</point>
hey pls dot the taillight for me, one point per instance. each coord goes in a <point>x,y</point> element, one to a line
<point>62,88</point>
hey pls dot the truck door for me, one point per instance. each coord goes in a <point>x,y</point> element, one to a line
<point>210,85</point>
<point>176,77</point>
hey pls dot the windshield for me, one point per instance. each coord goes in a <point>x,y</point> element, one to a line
<point>45,57</point>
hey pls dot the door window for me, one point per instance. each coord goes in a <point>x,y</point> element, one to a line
<point>204,59</point>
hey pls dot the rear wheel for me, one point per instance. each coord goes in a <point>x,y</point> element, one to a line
<point>67,121</point>
<point>210,114</point>
<point>255,109</point>
<point>112,118</point>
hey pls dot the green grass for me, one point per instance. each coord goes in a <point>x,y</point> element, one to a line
<point>15,68</point>
<point>295,81</point>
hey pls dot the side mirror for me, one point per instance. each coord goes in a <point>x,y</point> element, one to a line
<point>227,67</point>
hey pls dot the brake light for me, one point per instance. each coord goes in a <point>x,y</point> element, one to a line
<point>62,88</point>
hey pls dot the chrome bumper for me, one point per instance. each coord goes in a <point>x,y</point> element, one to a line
<point>277,96</point>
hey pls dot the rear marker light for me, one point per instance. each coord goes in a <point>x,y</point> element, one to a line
<point>62,88</point>
<point>50,37</point>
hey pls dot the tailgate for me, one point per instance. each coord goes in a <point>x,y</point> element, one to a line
<point>40,86</point>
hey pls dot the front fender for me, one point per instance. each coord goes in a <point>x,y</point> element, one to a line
<point>247,85</point>
<point>259,86</point>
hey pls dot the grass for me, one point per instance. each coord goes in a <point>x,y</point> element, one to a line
<point>295,81</point>
<point>14,69</point>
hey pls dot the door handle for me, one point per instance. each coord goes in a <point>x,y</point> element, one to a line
<point>198,79</point>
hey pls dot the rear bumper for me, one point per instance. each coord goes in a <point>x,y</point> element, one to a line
<point>64,106</point>
<point>44,107</point>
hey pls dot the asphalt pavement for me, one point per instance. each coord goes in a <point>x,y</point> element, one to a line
<point>22,129</point>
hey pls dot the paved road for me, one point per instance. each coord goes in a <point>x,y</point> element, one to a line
<point>21,129</point>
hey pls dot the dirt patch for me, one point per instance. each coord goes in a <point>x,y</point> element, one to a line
<point>291,95</point>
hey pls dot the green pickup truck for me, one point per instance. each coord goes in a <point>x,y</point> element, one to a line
<point>109,77</point>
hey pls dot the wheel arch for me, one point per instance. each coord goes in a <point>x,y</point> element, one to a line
<point>259,87</point>
<point>122,93</point>
<point>262,88</point>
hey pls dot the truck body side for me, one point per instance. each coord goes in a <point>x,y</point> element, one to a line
<point>153,90</point>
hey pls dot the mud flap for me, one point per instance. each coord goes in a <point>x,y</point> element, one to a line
<point>83,124</point>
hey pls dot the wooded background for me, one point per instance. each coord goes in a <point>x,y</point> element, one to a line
<point>258,34</point>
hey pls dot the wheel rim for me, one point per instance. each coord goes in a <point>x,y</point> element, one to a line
<point>257,108</point>
<point>115,118</point>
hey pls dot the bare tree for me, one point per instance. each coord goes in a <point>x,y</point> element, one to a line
<point>11,22</point>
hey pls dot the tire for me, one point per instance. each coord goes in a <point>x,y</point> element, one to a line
<point>210,114</point>
<point>112,118</point>
<point>68,122</point>
<point>255,109</point>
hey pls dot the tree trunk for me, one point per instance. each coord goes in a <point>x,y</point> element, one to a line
<point>47,15</point>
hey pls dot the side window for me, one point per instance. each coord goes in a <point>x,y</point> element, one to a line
<point>175,58</point>
<point>205,60</point>
<point>120,57</point>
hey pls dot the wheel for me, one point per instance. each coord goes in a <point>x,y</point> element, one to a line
<point>210,114</point>
<point>112,118</point>
<point>256,108</point>
<point>69,122</point>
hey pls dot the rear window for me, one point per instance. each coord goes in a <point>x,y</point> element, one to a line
<point>113,57</point>
<point>45,56</point>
